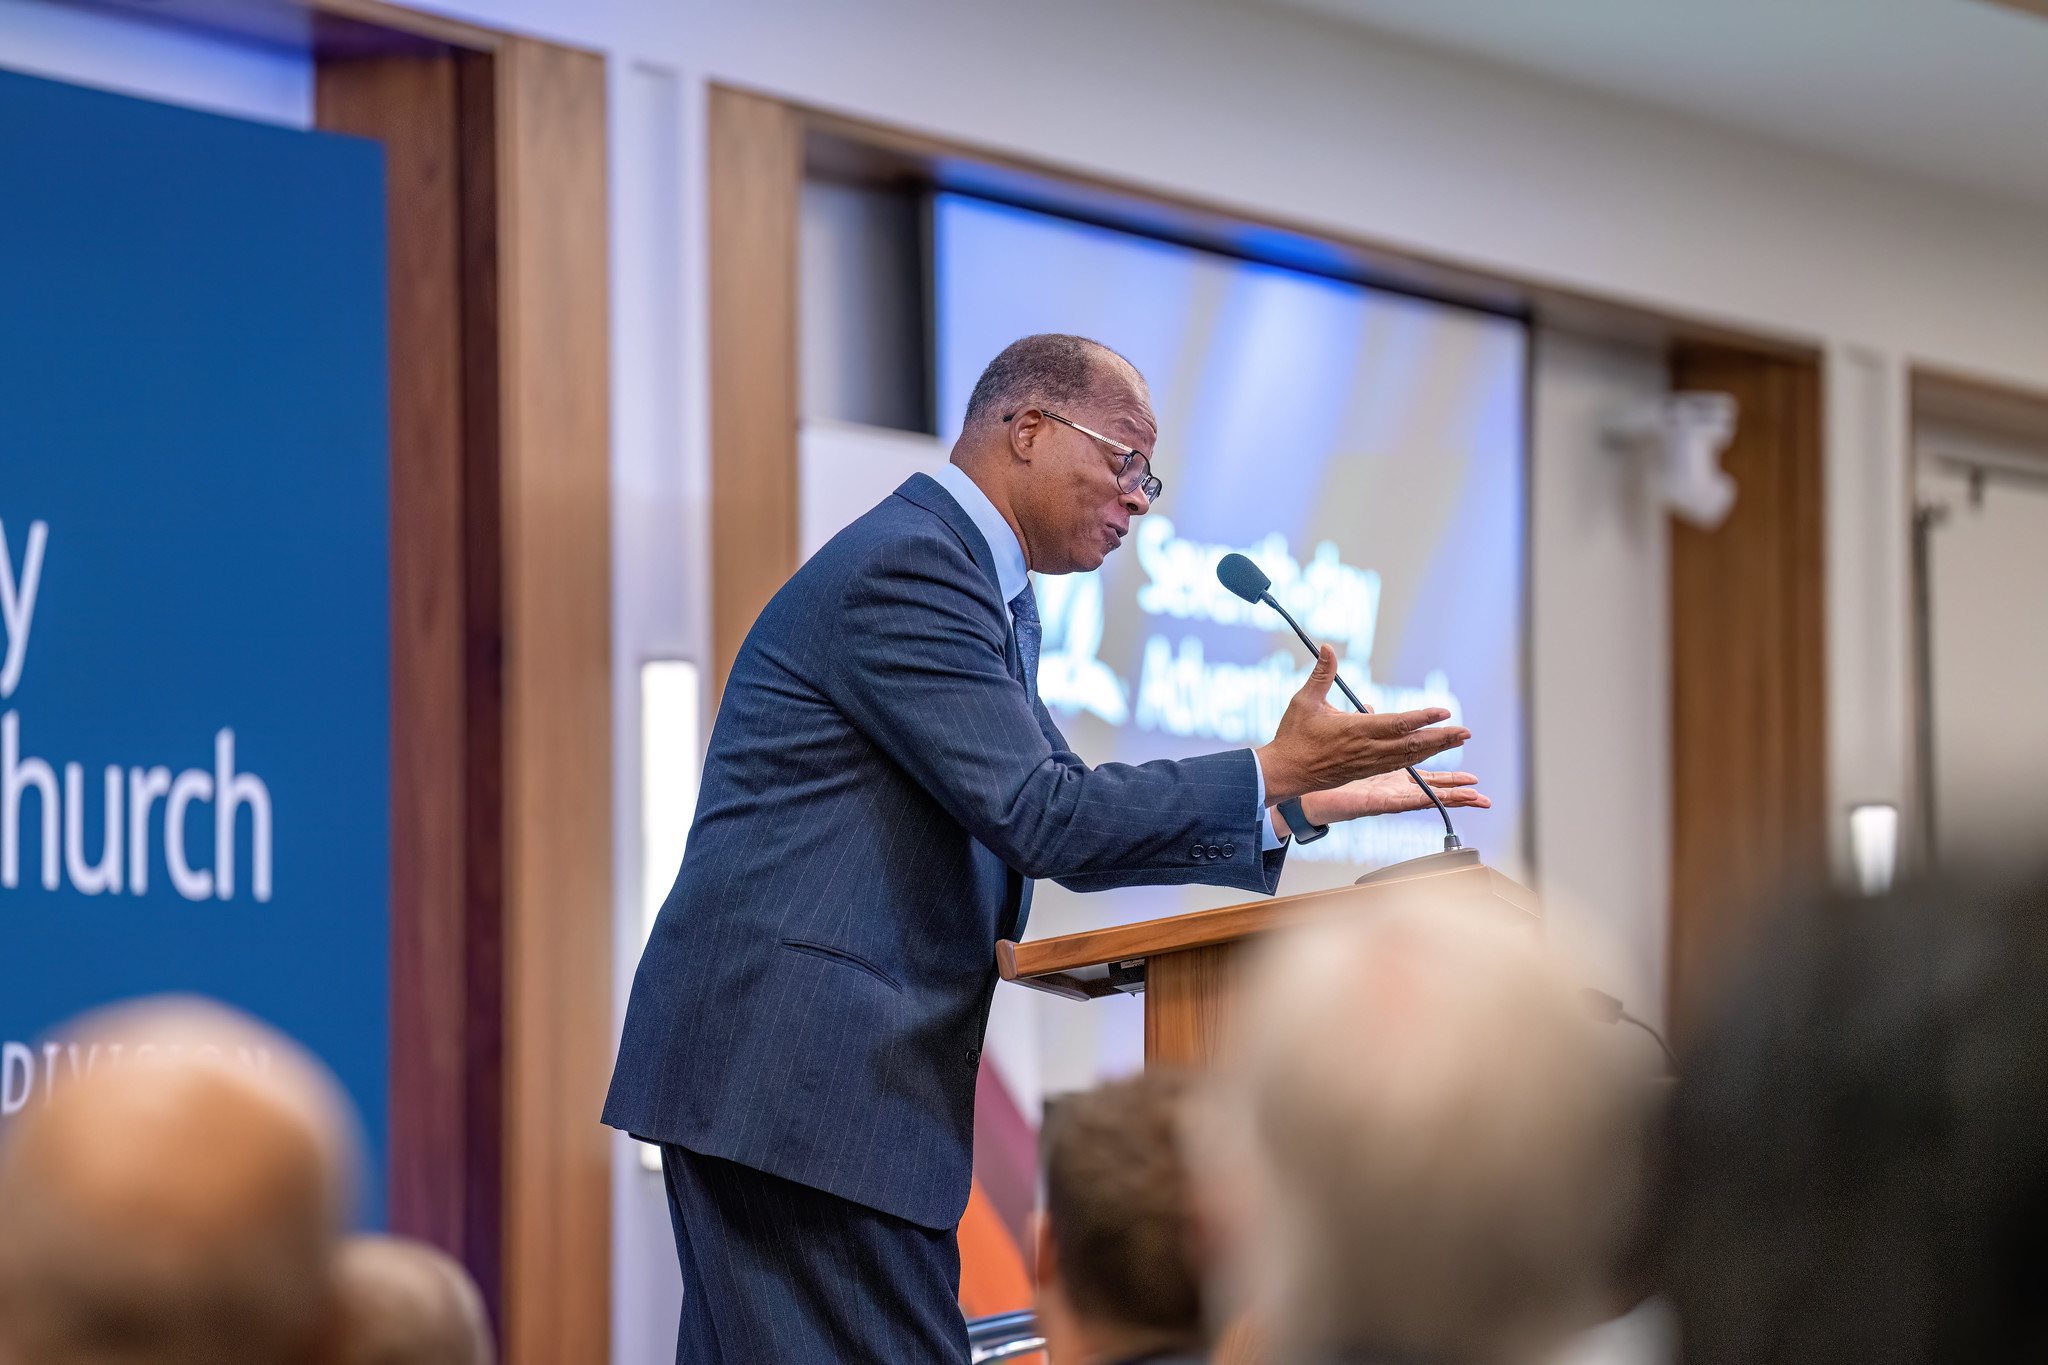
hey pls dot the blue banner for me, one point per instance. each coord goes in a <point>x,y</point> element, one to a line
<point>194,698</point>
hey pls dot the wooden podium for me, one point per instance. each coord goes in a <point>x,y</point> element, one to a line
<point>1187,965</point>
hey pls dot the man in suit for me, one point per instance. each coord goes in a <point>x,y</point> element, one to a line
<point>881,787</point>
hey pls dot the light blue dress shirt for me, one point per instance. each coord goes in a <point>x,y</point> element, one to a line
<point>1012,576</point>
<point>1011,573</point>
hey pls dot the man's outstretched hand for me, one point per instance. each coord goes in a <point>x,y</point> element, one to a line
<point>1317,747</point>
<point>1391,792</point>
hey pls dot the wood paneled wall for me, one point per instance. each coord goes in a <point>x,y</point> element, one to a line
<point>446,998</point>
<point>755,188</point>
<point>501,662</point>
<point>1749,781</point>
<point>555,515</point>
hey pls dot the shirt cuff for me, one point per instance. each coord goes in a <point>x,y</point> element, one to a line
<point>1268,840</point>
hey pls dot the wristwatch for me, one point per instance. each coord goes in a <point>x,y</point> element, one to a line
<point>1297,820</point>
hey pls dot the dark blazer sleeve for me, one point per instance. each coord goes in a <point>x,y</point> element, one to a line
<point>921,673</point>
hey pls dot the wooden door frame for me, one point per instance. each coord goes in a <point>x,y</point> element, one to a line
<point>501,906</point>
<point>1749,814</point>
<point>501,596</point>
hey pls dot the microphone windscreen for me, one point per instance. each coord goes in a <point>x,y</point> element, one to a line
<point>1242,577</point>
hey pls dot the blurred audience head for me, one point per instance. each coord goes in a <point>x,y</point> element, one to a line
<point>1422,1148</point>
<point>175,1199</point>
<point>406,1303</point>
<point>1857,1165</point>
<point>1117,1279</point>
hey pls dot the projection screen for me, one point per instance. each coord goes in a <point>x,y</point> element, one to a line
<point>1366,448</point>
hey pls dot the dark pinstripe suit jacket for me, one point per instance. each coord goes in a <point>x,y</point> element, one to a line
<point>879,787</point>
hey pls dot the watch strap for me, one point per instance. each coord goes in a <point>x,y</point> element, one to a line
<point>1298,821</point>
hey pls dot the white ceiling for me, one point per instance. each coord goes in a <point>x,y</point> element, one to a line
<point>1952,90</point>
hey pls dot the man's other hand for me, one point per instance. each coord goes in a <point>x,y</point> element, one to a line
<point>1317,747</point>
<point>1391,792</point>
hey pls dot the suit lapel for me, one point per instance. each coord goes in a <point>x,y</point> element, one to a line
<point>928,493</point>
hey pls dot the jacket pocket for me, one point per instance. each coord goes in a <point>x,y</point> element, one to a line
<point>854,960</point>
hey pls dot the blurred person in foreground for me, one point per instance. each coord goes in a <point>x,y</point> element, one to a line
<point>1422,1149</point>
<point>177,1201</point>
<point>1117,1276</point>
<point>407,1303</point>
<point>1858,1147</point>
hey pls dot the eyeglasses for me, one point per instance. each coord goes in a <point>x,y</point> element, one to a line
<point>1134,475</point>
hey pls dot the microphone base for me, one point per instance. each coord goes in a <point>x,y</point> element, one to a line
<point>1450,860</point>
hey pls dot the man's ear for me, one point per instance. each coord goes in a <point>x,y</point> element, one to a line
<point>1047,1266</point>
<point>1027,430</point>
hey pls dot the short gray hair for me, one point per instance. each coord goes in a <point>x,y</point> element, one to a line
<point>1049,367</point>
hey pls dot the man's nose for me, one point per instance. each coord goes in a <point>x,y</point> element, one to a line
<point>1137,502</point>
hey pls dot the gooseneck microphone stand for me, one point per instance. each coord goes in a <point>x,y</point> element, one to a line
<point>1249,581</point>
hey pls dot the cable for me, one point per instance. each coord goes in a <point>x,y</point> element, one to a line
<point>1609,1010</point>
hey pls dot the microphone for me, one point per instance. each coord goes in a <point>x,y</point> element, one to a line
<point>1249,581</point>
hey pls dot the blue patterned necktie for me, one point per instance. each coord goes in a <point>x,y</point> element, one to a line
<point>1030,633</point>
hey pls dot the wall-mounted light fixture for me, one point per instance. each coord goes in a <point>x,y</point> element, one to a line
<point>671,749</point>
<point>1874,847</point>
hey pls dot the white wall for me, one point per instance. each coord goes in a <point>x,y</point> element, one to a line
<point>1290,115</point>
<point>1599,668</point>
<point>660,560</point>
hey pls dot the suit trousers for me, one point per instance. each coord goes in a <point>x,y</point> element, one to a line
<point>774,1271</point>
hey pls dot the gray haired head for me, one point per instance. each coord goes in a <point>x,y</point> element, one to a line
<point>1048,367</point>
